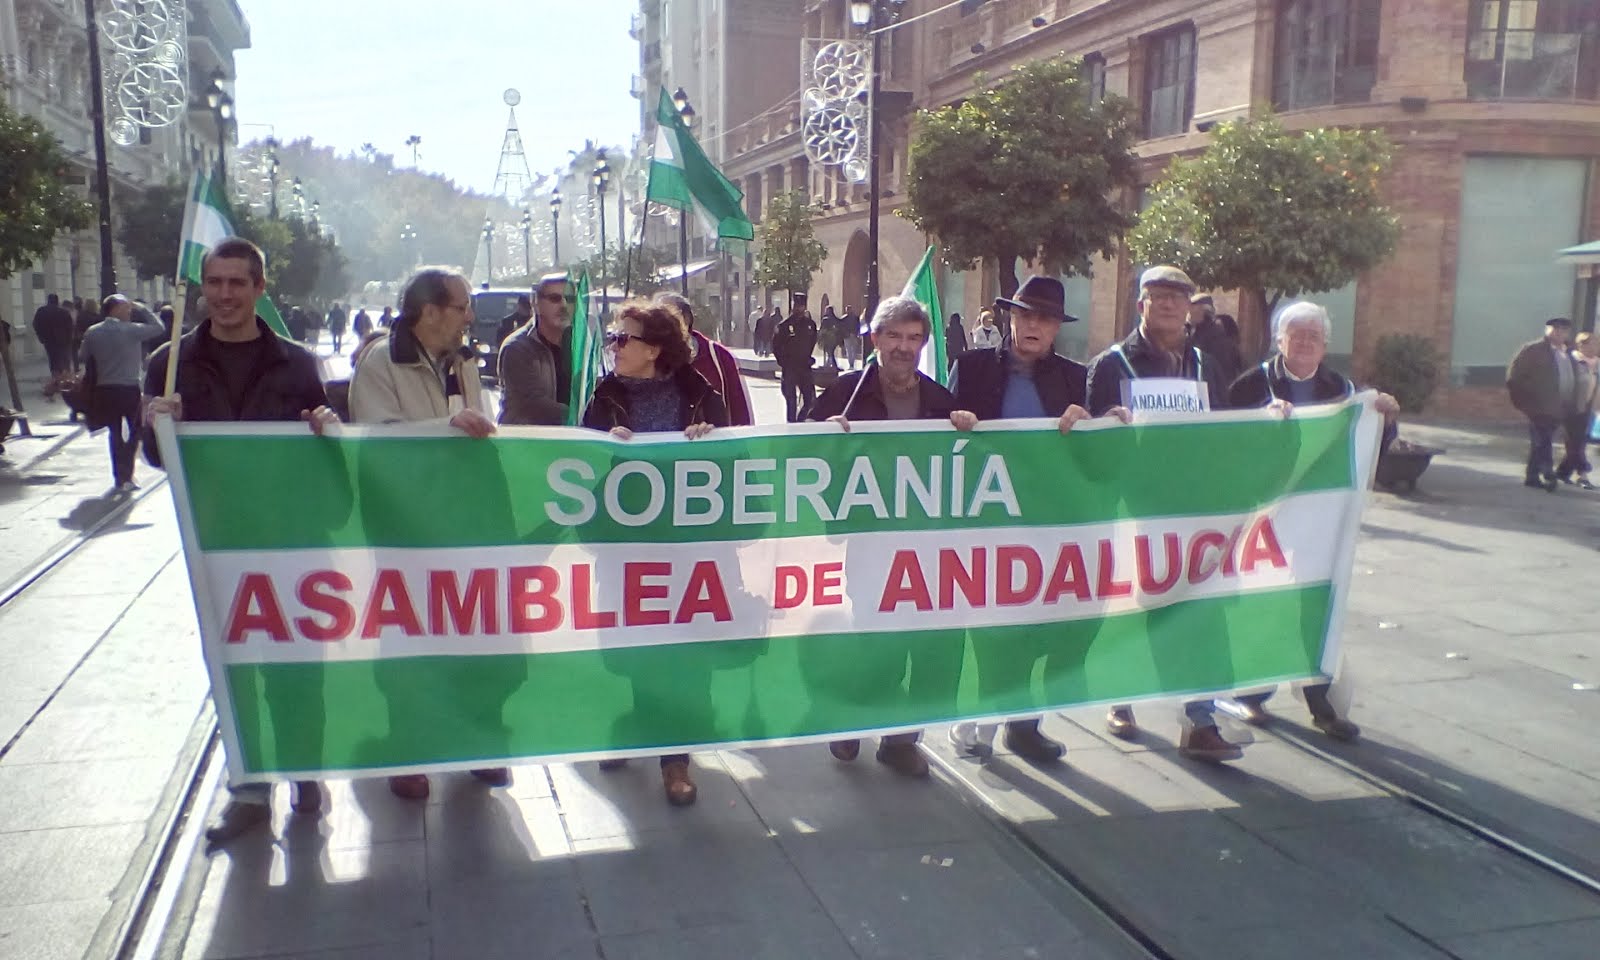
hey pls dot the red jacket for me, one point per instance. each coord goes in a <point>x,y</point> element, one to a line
<point>713,361</point>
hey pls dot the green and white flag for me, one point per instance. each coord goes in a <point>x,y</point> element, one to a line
<point>576,596</point>
<point>205,224</point>
<point>588,342</point>
<point>683,177</point>
<point>923,287</point>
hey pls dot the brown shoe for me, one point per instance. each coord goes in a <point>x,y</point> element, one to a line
<point>307,798</point>
<point>236,820</point>
<point>903,758</point>
<point>1338,728</point>
<point>845,750</point>
<point>493,776</point>
<point>1024,739</point>
<point>1205,743</point>
<point>675,780</point>
<point>1120,723</point>
<point>412,786</point>
<point>1253,711</point>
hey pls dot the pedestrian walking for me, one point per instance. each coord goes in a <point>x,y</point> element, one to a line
<point>851,327</point>
<point>387,320</point>
<point>113,359</point>
<point>765,328</point>
<point>893,389</point>
<point>1295,377</point>
<point>714,362</point>
<point>829,338</point>
<point>1158,353</point>
<point>1027,379</point>
<point>362,325</point>
<point>535,362</point>
<point>955,338</point>
<point>338,322</point>
<point>1585,359</point>
<point>794,344</point>
<point>421,373</point>
<point>653,387</point>
<point>1543,382</point>
<point>52,324</point>
<point>986,335</point>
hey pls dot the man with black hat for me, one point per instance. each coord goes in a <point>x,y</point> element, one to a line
<point>1543,380</point>
<point>1160,353</point>
<point>793,343</point>
<point>1212,338</point>
<point>1027,379</point>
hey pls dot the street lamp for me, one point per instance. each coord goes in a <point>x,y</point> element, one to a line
<point>602,177</point>
<point>221,105</point>
<point>316,206</point>
<point>299,196</point>
<point>680,100</point>
<point>555,229</point>
<point>488,247</point>
<point>527,241</point>
<point>874,16</point>
<point>272,175</point>
<point>408,236</point>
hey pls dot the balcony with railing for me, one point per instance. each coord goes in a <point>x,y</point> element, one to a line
<point>1534,65</point>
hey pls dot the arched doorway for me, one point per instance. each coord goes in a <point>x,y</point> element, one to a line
<point>857,257</point>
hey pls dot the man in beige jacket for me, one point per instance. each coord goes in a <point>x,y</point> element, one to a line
<point>419,371</point>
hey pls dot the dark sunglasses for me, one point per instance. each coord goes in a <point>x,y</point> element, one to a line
<point>620,338</point>
<point>557,298</point>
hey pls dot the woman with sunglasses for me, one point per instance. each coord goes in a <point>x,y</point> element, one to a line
<point>653,389</point>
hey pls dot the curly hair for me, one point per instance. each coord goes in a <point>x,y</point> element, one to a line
<point>663,327</point>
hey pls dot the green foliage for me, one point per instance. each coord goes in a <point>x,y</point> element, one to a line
<point>634,270</point>
<point>35,204</point>
<point>1266,210</point>
<point>1027,167</point>
<point>789,251</point>
<point>149,225</point>
<point>1407,365</point>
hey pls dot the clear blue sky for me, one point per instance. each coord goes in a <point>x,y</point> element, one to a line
<point>346,72</point>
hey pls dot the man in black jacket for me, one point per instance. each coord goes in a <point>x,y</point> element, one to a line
<point>1028,379</point>
<point>1212,338</point>
<point>793,343</point>
<point>893,389</point>
<point>1160,352</point>
<point>233,367</point>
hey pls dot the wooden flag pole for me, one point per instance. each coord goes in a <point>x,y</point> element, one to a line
<point>177,334</point>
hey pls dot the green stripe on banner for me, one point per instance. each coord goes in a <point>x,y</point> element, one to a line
<point>460,709</point>
<point>279,492</point>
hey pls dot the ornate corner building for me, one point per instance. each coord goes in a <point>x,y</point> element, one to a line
<point>44,73</point>
<point>1493,107</point>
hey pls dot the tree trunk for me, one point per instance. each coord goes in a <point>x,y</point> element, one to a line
<point>1008,274</point>
<point>1264,307</point>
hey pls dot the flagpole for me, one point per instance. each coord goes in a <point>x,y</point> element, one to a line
<point>627,271</point>
<point>177,334</point>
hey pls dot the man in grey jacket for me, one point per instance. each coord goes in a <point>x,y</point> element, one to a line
<point>115,349</point>
<point>536,359</point>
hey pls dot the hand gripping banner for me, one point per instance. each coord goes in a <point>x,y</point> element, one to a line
<point>405,599</point>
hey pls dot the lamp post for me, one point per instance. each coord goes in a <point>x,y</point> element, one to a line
<point>488,251</point>
<point>555,229</point>
<point>102,171</point>
<point>299,197</point>
<point>602,177</point>
<point>874,16</point>
<point>408,236</point>
<point>221,105</point>
<point>316,207</point>
<point>527,241</point>
<point>680,99</point>
<point>272,175</point>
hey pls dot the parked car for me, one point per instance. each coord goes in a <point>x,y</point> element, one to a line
<point>489,307</point>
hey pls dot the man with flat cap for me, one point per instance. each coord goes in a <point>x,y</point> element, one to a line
<point>1543,382</point>
<point>1026,379</point>
<point>1160,353</point>
<point>1212,338</point>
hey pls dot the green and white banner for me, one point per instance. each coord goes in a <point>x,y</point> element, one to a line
<point>397,598</point>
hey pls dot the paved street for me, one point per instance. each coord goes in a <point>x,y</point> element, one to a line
<point>1469,661</point>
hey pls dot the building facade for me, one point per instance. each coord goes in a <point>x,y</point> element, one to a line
<point>1493,107</point>
<point>44,73</point>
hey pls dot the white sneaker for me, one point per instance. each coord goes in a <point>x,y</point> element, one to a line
<point>973,739</point>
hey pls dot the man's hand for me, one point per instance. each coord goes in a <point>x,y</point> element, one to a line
<point>842,421</point>
<point>697,430</point>
<point>1387,405</point>
<point>1121,413</point>
<point>171,406</point>
<point>963,419</point>
<point>320,419</point>
<point>1282,408</point>
<point>1072,415</point>
<point>473,424</point>
<point>622,433</point>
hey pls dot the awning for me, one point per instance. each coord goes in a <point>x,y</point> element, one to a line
<point>1583,253</point>
<point>675,271</point>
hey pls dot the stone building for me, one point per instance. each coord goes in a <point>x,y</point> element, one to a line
<point>44,73</point>
<point>1493,106</point>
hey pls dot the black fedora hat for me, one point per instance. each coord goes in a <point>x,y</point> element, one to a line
<point>1043,295</point>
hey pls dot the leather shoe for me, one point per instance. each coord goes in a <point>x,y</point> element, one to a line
<point>1206,743</point>
<point>845,750</point>
<point>1024,739</point>
<point>307,797</point>
<point>1120,723</point>
<point>613,763</point>
<point>903,758</point>
<point>236,820</point>
<point>1337,727</point>
<point>411,786</point>
<point>493,776</point>
<point>1253,712</point>
<point>681,791</point>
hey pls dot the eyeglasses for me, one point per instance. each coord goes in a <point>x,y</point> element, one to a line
<point>557,298</point>
<point>620,338</point>
<point>460,306</point>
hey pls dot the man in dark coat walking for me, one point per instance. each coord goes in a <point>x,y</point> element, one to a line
<point>1543,382</point>
<point>793,344</point>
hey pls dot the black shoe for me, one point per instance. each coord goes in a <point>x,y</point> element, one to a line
<point>1550,483</point>
<point>1533,482</point>
<point>613,763</point>
<point>236,820</point>
<point>1024,739</point>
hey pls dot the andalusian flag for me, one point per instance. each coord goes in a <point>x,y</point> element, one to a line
<point>682,177</point>
<point>588,341</point>
<point>205,224</point>
<point>923,287</point>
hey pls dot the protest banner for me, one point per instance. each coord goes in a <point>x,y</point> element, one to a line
<point>404,598</point>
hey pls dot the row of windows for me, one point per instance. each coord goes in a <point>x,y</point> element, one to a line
<point>1326,52</point>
